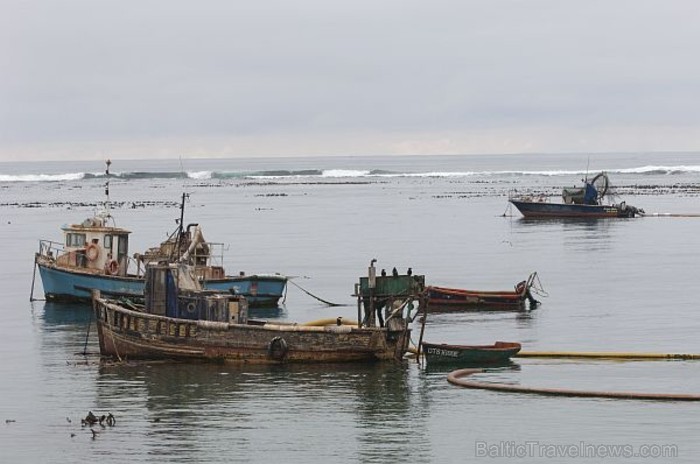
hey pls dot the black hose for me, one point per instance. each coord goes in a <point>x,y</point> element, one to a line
<point>314,296</point>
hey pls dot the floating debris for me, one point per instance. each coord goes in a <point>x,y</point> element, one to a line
<point>92,205</point>
<point>91,419</point>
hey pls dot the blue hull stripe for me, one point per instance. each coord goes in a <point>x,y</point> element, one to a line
<point>63,284</point>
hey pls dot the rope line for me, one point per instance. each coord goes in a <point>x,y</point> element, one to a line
<point>538,288</point>
<point>314,296</point>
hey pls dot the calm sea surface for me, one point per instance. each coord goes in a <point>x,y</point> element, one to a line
<point>613,285</point>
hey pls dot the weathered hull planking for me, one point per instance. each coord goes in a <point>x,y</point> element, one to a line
<point>443,299</point>
<point>124,333</point>
<point>446,299</point>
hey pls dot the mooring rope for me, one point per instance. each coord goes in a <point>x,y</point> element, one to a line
<point>314,296</point>
<point>538,288</point>
<point>674,215</point>
<point>455,378</point>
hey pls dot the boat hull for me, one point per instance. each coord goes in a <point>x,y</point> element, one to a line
<point>531,209</point>
<point>68,285</point>
<point>259,290</point>
<point>124,333</point>
<point>466,355</point>
<point>61,284</point>
<point>444,300</point>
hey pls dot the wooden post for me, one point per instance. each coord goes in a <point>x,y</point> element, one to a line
<point>422,327</point>
<point>31,293</point>
<point>371,284</point>
<point>359,306</point>
<point>95,295</point>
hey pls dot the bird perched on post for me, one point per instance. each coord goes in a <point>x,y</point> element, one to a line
<point>383,272</point>
<point>410,271</point>
<point>394,272</point>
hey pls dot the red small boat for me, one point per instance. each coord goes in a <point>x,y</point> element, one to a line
<point>453,299</point>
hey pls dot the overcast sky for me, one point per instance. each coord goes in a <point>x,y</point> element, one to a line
<point>168,78</point>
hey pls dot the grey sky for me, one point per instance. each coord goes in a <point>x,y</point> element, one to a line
<point>155,78</point>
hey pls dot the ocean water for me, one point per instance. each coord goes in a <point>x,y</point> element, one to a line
<point>612,285</point>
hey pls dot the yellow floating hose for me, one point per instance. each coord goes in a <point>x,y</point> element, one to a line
<point>329,321</point>
<point>455,378</point>
<point>607,355</point>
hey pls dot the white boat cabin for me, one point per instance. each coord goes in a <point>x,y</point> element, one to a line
<point>95,246</point>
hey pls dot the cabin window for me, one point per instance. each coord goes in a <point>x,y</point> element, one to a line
<point>75,240</point>
<point>108,242</point>
<point>123,245</point>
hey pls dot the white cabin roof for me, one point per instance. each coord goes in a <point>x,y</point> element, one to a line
<point>94,225</point>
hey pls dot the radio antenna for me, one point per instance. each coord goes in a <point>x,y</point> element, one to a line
<point>107,175</point>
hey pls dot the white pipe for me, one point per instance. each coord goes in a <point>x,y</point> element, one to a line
<point>196,239</point>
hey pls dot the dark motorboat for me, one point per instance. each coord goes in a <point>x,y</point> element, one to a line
<point>444,299</point>
<point>470,355</point>
<point>583,202</point>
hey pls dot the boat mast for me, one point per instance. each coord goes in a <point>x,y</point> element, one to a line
<point>180,227</point>
<point>105,212</point>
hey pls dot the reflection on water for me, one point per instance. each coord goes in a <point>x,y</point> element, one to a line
<point>577,234</point>
<point>279,312</point>
<point>61,314</point>
<point>183,410</point>
<point>445,368</point>
<point>524,319</point>
<point>68,331</point>
<point>590,225</point>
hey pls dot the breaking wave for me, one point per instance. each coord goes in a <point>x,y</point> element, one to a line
<point>335,174</point>
<point>42,177</point>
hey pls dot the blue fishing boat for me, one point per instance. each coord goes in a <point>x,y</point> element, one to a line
<point>583,202</point>
<point>68,283</point>
<point>94,255</point>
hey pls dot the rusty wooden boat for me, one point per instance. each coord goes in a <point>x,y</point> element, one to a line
<point>443,299</point>
<point>470,355</point>
<point>181,321</point>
